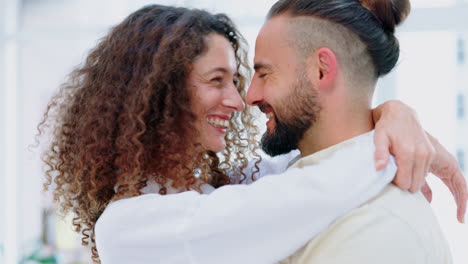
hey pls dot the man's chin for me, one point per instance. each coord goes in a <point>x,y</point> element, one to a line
<point>282,140</point>
<point>273,152</point>
<point>274,146</point>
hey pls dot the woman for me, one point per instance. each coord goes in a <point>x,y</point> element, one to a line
<point>157,108</point>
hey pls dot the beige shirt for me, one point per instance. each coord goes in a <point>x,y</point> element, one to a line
<point>396,227</point>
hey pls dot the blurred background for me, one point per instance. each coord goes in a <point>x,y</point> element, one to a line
<point>42,40</point>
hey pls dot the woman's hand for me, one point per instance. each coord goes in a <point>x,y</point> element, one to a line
<point>398,131</point>
<point>446,167</point>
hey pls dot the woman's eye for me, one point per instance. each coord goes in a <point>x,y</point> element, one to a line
<point>262,75</point>
<point>236,82</point>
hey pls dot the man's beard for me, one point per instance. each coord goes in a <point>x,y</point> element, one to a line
<point>298,113</point>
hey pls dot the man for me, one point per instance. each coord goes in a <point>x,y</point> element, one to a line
<point>316,67</point>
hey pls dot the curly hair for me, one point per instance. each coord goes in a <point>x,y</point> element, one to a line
<point>124,117</point>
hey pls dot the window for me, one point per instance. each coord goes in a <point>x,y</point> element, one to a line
<point>460,106</point>
<point>461,159</point>
<point>461,51</point>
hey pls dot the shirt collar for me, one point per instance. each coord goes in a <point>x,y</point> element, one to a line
<point>317,157</point>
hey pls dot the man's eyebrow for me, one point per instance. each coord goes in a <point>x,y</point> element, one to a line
<point>261,66</point>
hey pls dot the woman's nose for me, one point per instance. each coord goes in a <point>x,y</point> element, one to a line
<point>233,99</point>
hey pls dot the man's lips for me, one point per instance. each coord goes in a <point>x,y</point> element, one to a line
<point>265,108</point>
<point>270,115</point>
<point>268,111</point>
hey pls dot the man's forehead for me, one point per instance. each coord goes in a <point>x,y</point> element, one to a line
<point>275,28</point>
<point>272,41</point>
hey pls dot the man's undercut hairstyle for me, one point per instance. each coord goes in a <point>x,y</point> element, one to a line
<point>360,33</point>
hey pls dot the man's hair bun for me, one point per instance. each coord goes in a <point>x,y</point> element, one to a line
<point>389,12</point>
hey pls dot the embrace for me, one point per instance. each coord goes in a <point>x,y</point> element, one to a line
<point>154,152</point>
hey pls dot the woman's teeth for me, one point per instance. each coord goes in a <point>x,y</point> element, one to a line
<point>218,122</point>
<point>269,115</point>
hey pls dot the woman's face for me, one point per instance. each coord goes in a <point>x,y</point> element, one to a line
<point>215,96</point>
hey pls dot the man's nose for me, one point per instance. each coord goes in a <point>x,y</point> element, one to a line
<point>254,94</point>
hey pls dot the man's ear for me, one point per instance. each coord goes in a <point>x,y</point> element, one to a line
<point>326,68</point>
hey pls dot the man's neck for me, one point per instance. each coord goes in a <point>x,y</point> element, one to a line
<point>335,126</point>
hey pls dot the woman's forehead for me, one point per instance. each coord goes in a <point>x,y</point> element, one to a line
<point>219,54</point>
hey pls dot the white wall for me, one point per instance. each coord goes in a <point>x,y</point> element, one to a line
<point>8,111</point>
<point>2,130</point>
<point>427,80</point>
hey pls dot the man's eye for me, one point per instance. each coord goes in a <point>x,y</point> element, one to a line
<point>217,79</point>
<point>262,75</point>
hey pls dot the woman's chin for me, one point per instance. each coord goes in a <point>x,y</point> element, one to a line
<point>216,146</point>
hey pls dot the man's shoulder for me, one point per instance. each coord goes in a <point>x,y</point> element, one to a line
<point>394,221</point>
<point>408,209</point>
<point>398,203</point>
<point>392,211</point>
<point>392,208</point>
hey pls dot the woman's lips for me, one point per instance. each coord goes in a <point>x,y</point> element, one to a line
<point>218,122</point>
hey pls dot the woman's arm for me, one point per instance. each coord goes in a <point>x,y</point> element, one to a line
<point>263,222</point>
<point>398,132</point>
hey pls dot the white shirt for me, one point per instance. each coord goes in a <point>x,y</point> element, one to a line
<point>263,222</point>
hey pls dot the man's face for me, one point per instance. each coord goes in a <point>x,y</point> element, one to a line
<point>281,89</point>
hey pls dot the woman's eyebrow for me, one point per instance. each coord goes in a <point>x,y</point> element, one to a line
<point>220,69</point>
